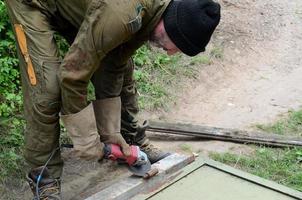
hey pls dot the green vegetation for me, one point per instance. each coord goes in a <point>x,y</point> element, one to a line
<point>186,147</point>
<point>281,165</point>
<point>156,74</point>
<point>11,123</point>
<point>291,124</point>
<point>202,59</point>
<point>10,93</point>
<point>11,141</point>
<point>217,52</point>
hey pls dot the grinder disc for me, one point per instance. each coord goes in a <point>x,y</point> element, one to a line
<point>140,170</point>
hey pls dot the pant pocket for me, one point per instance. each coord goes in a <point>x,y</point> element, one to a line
<point>48,99</point>
<point>43,126</point>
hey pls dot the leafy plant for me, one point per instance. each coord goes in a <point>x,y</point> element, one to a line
<point>11,125</point>
<point>10,91</point>
<point>11,142</point>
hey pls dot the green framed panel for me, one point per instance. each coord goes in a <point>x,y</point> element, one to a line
<point>206,179</point>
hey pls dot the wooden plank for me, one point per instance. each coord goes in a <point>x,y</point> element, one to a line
<point>130,186</point>
<point>224,134</point>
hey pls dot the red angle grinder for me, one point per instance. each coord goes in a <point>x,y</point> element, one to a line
<point>138,162</point>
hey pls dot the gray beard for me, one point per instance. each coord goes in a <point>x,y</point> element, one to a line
<point>155,41</point>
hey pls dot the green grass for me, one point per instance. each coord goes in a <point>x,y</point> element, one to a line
<point>216,52</point>
<point>186,148</point>
<point>291,124</point>
<point>201,59</point>
<point>158,74</point>
<point>281,165</point>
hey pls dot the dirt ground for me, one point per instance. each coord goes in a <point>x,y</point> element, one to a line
<point>258,78</point>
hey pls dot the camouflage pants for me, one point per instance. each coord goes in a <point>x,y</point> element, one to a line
<point>39,62</point>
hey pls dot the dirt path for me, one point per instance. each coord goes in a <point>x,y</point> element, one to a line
<point>258,78</point>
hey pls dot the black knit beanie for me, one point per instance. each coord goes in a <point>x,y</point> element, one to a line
<point>191,23</point>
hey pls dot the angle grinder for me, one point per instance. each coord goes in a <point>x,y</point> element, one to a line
<point>138,162</point>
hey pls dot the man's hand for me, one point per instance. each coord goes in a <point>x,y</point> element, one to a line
<point>108,119</point>
<point>117,139</point>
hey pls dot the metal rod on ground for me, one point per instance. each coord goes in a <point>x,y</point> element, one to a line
<point>224,134</point>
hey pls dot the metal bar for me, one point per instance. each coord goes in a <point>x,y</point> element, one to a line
<point>224,134</point>
<point>131,186</point>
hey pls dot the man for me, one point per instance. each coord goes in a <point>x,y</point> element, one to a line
<point>103,35</point>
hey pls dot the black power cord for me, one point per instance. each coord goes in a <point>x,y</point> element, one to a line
<point>40,175</point>
<point>45,165</point>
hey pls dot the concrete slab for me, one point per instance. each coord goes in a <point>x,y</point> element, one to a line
<point>131,186</point>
